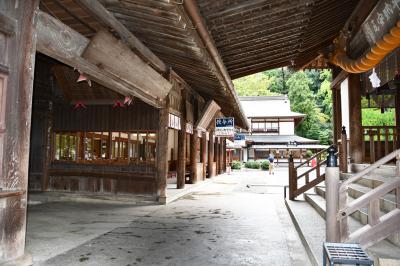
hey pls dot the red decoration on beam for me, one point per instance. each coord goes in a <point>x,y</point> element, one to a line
<point>118,103</point>
<point>79,105</point>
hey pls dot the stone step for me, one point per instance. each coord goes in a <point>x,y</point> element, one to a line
<point>311,228</point>
<point>355,191</point>
<point>318,202</point>
<point>383,170</point>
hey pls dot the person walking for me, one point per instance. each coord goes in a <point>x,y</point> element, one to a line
<point>271,163</point>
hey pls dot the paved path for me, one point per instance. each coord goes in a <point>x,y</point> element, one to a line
<point>238,219</point>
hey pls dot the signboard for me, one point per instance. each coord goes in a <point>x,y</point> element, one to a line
<point>382,18</point>
<point>240,140</point>
<point>225,127</point>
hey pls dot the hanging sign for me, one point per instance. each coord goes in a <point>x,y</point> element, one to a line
<point>225,127</point>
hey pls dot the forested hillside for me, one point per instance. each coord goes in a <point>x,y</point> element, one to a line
<point>308,91</point>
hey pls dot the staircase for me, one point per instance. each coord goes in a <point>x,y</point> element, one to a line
<point>308,214</point>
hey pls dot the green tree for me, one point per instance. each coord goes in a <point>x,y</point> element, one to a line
<point>253,85</point>
<point>302,100</point>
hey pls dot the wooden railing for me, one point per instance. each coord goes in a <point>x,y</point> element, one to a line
<point>379,141</point>
<point>295,176</point>
<point>378,227</point>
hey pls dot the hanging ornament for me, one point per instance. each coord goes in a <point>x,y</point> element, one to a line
<point>128,100</point>
<point>82,77</point>
<point>79,105</point>
<point>375,81</point>
<point>118,103</point>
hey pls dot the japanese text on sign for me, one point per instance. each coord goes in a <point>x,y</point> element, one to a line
<point>225,127</point>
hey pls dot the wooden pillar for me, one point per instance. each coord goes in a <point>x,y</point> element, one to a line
<point>47,154</point>
<point>355,144</point>
<point>337,114</point>
<point>17,57</point>
<point>211,154</point>
<point>343,152</point>
<point>204,154</point>
<point>396,133</point>
<point>162,156</point>
<point>193,157</point>
<point>224,155</point>
<point>181,164</point>
<point>292,178</point>
<point>217,154</point>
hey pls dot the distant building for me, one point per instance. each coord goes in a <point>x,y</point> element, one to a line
<point>272,131</point>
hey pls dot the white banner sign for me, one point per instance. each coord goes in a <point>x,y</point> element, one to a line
<point>225,127</point>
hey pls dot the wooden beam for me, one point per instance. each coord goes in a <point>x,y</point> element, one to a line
<point>108,19</point>
<point>208,114</point>
<point>111,55</point>
<point>60,42</point>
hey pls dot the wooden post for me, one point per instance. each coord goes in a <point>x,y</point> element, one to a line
<point>211,154</point>
<point>292,178</point>
<point>355,138</point>
<point>181,164</point>
<point>193,157</point>
<point>162,158</point>
<point>224,155</point>
<point>371,146</point>
<point>47,153</point>
<point>396,133</point>
<point>17,57</point>
<point>221,156</point>
<point>337,114</point>
<point>204,154</point>
<point>343,151</point>
<point>217,153</point>
<point>332,203</point>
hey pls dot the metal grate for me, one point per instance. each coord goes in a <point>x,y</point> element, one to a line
<point>344,253</point>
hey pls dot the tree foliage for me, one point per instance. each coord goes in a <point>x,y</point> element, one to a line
<point>254,85</point>
<point>308,91</point>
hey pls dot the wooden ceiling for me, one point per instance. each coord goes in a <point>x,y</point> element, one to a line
<point>250,35</point>
<point>167,31</point>
<point>257,35</point>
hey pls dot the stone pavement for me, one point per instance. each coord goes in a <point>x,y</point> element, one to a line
<point>237,219</point>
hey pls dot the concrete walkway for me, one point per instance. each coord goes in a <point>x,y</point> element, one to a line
<point>237,219</point>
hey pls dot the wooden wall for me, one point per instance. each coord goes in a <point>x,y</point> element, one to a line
<point>51,113</point>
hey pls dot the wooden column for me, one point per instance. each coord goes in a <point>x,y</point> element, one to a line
<point>217,153</point>
<point>181,164</point>
<point>211,154</point>
<point>224,155</point>
<point>193,157</point>
<point>47,154</point>
<point>162,156</point>
<point>17,57</point>
<point>337,114</point>
<point>204,154</point>
<point>396,133</point>
<point>355,143</point>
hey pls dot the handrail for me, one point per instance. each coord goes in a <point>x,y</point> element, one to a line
<point>386,159</point>
<point>367,197</point>
<point>312,157</point>
<point>311,169</point>
<point>379,227</point>
<point>294,190</point>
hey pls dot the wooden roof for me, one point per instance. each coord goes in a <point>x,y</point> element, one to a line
<point>257,35</point>
<point>250,35</point>
<point>165,28</point>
